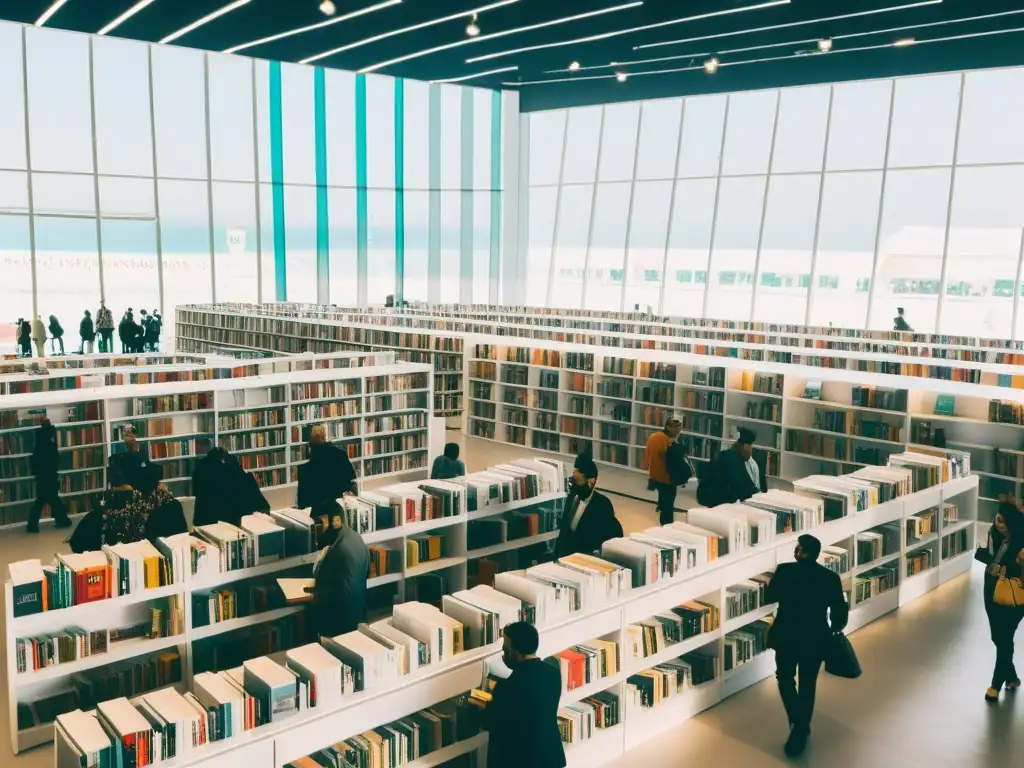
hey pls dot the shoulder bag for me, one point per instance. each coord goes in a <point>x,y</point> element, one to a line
<point>1009,591</point>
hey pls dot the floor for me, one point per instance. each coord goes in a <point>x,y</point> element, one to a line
<point>919,702</point>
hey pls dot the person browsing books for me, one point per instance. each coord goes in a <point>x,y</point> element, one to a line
<point>588,519</point>
<point>223,490</point>
<point>126,510</point>
<point>658,477</point>
<point>328,475</point>
<point>522,718</point>
<point>736,475</point>
<point>133,462</point>
<point>45,462</point>
<point>1003,556</point>
<point>447,466</point>
<point>339,577</point>
<point>812,607</point>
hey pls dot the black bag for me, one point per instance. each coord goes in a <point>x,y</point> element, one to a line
<point>680,470</point>
<point>840,658</point>
<point>707,484</point>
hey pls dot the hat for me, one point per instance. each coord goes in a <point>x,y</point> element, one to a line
<point>585,464</point>
<point>747,436</point>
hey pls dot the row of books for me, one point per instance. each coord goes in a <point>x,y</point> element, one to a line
<point>250,419</point>
<point>397,383</point>
<point>326,410</point>
<point>876,581</point>
<point>763,383</point>
<point>186,401</point>
<point>836,559</point>
<point>746,596</point>
<point>886,399</point>
<point>70,644</point>
<point>586,663</point>
<point>922,524</point>
<point>674,677</point>
<point>920,560</point>
<point>512,526</point>
<point>663,630</point>
<point>955,544</point>
<point>322,390</point>
<point>878,542</point>
<point>742,645</point>
<point>577,722</point>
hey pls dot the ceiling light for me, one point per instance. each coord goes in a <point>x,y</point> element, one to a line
<point>574,66</point>
<point>621,76</point>
<point>311,27</point>
<point>711,65</point>
<point>125,16</point>
<point>205,20</point>
<point>475,75</point>
<point>327,8</point>
<point>825,44</point>
<point>473,29</point>
<point>903,42</point>
<point>49,12</point>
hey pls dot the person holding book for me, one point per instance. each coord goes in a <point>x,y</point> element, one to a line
<point>811,608</point>
<point>658,477</point>
<point>1003,557</point>
<point>588,520</point>
<point>448,465</point>
<point>45,462</point>
<point>522,717</point>
<point>327,475</point>
<point>339,576</point>
<point>736,475</point>
<point>223,490</point>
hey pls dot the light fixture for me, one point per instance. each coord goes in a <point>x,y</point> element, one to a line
<point>825,44</point>
<point>49,12</point>
<point>475,75</point>
<point>328,8</point>
<point>473,29</point>
<point>711,65</point>
<point>205,20</point>
<point>310,27</point>
<point>125,16</point>
<point>903,42</point>
<point>621,76</point>
<point>574,66</point>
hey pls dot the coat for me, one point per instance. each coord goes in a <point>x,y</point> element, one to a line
<point>444,468</point>
<point>986,555</point>
<point>56,330</point>
<point>327,476</point>
<point>104,319</point>
<point>726,480</point>
<point>812,606</point>
<point>339,586</point>
<point>523,719</point>
<point>597,526</point>
<point>86,329</point>
<point>224,491</point>
<point>44,463</point>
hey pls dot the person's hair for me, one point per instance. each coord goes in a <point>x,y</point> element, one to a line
<point>318,430</point>
<point>587,467</point>
<point>673,420</point>
<point>1014,520</point>
<point>327,509</point>
<point>524,637</point>
<point>899,310</point>
<point>451,450</point>
<point>88,313</point>
<point>810,545</point>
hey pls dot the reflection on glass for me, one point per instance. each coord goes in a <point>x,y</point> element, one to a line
<point>16,287</point>
<point>571,245</point>
<point>543,201</point>
<point>659,139</point>
<point>647,232</point>
<point>547,130</point>
<point>618,141</point>
<point>689,247</point>
<point>451,219</point>
<point>381,245</point>
<point>482,248</point>
<point>859,125</point>
<point>748,134</point>
<point>341,211</point>
<point>234,241</point>
<point>417,245</point>
<point>130,274</point>
<point>300,242</point>
<point>185,243</point>
<point>800,135</point>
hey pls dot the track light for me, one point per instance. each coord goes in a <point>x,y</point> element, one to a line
<point>574,66</point>
<point>903,42</point>
<point>711,65</point>
<point>328,8</point>
<point>621,76</point>
<point>472,29</point>
<point>825,44</point>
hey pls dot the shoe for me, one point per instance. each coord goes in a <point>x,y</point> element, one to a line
<point>63,522</point>
<point>991,695</point>
<point>797,742</point>
<point>1012,686</point>
<point>32,528</point>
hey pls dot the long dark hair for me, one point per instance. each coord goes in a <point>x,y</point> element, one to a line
<point>1014,520</point>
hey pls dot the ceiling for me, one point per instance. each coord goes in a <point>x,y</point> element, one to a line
<point>990,32</point>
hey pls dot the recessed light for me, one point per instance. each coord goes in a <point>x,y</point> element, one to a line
<point>621,77</point>
<point>825,44</point>
<point>903,42</point>
<point>473,29</point>
<point>711,65</point>
<point>574,66</point>
<point>328,8</point>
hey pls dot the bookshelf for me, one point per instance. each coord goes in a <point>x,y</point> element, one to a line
<point>280,743</point>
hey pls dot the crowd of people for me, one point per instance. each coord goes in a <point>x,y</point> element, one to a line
<point>142,335</point>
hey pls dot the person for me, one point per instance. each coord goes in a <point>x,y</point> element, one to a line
<point>588,520</point>
<point>522,718</point>
<point>45,462</point>
<point>56,335</point>
<point>447,465</point>
<point>24,338</point>
<point>39,336</point>
<point>811,608</point>
<point>1003,556</point>
<point>735,475</point>
<point>338,604</point>
<point>126,509</point>
<point>328,475</point>
<point>87,333</point>
<point>658,478</point>
<point>105,326</point>
<point>143,330</point>
<point>133,462</point>
<point>899,323</point>
<point>222,489</point>
<point>153,332</point>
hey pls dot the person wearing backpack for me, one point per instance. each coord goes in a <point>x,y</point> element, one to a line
<point>668,467</point>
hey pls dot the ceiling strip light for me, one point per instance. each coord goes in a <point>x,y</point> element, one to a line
<point>311,27</point>
<point>503,33</point>
<point>616,33</point>
<point>474,76</point>
<point>125,16</point>
<point>205,20</point>
<point>403,30</point>
<point>49,12</point>
<point>874,12</point>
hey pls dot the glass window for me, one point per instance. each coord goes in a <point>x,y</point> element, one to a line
<point>984,247</point>
<point>298,134</point>
<point>13,192</point>
<point>689,247</point>
<point>581,143</point>
<point>738,225</point>
<point>618,141</point>
<point>800,136</point>
<point>417,245</point>
<point>381,245</point>
<point>482,247</point>
<point>185,243</point>
<point>451,137</point>
<point>267,256</point>
<point>300,242</point>
<point>417,143</point>
<point>543,201</point>
<point>121,99</point>
<point>571,239</point>
<point>380,131</point>
<point>846,248</point>
<point>16,287</point>
<point>909,266</point>
<point>648,229</point>
<point>482,141</point>
<point>547,130</point>
<point>659,139</point>
<point>68,261</point>
<point>262,75</point>
<point>63,194</point>
<point>231,118</point>
<point>982,138</point>
<point>859,125</point>
<point>607,246</point>
<point>701,147</point>
<point>451,238</point>
<point>127,198</point>
<point>786,248</point>
<point>344,266</point>
<point>924,121</point>
<point>748,135</point>
<point>340,108</point>
<point>60,113</point>
<point>235,258</point>
<point>179,112</point>
<point>130,274</point>
<point>12,96</point>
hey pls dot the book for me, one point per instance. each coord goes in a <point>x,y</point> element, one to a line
<point>29,592</point>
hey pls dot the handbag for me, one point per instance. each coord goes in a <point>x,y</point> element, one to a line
<point>1009,592</point>
<point>840,658</point>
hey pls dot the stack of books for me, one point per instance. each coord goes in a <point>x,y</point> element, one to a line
<point>374,660</point>
<point>484,612</point>
<point>586,663</point>
<point>269,536</point>
<point>278,691</point>
<point>186,551</point>
<point>879,542</point>
<point>842,495</point>
<point>876,581</point>
<point>299,531</point>
<point>325,676</point>
<point>922,525</point>
<point>578,721</point>
<point>87,741</point>
<point>890,482</point>
<point>793,512</point>
<point>370,511</point>
<point>236,549</point>
<point>443,635</point>
<point>424,547</point>
<point>547,601</point>
<point>180,720</point>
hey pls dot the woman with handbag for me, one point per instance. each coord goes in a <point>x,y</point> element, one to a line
<point>1004,592</point>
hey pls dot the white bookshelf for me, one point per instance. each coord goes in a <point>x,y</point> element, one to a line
<point>280,743</point>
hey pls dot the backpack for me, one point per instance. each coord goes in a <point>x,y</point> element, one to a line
<point>680,470</point>
<point>707,484</point>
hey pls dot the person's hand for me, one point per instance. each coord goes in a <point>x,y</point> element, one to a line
<point>163,487</point>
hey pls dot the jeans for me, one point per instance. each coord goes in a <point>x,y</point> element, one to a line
<point>1003,622</point>
<point>106,340</point>
<point>798,701</point>
<point>666,501</point>
<point>54,342</point>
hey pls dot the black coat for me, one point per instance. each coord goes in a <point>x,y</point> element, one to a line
<point>86,329</point>
<point>339,586</point>
<point>327,476</point>
<point>986,555</point>
<point>224,491</point>
<point>730,481</point>
<point>597,525</point>
<point>139,472</point>
<point>812,606</point>
<point>523,718</point>
<point>44,462</point>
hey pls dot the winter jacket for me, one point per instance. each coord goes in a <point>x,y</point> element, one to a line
<point>224,491</point>
<point>104,319</point>
<point>56,330</point>
<point>86,330</point>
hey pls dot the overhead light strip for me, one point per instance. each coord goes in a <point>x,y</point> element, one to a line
<point>504,33</point>
<point>403,30</point>
<point>49,12</point>
<point>205,20</point>
<point>873,12</point>
<point>475,76</point>
<point>125,16</point>
<point>631,30</point>
<point>311,27</point>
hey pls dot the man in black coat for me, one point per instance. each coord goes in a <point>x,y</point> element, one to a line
<point>588,520</point>
<point>45,462</point>
<point>339,577</point>
<point>523,717</point>
<point>812,607</point>
<point>328,475</point>
<point>737,474</point>
<point>133,463</point>
<point>223,490</point>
